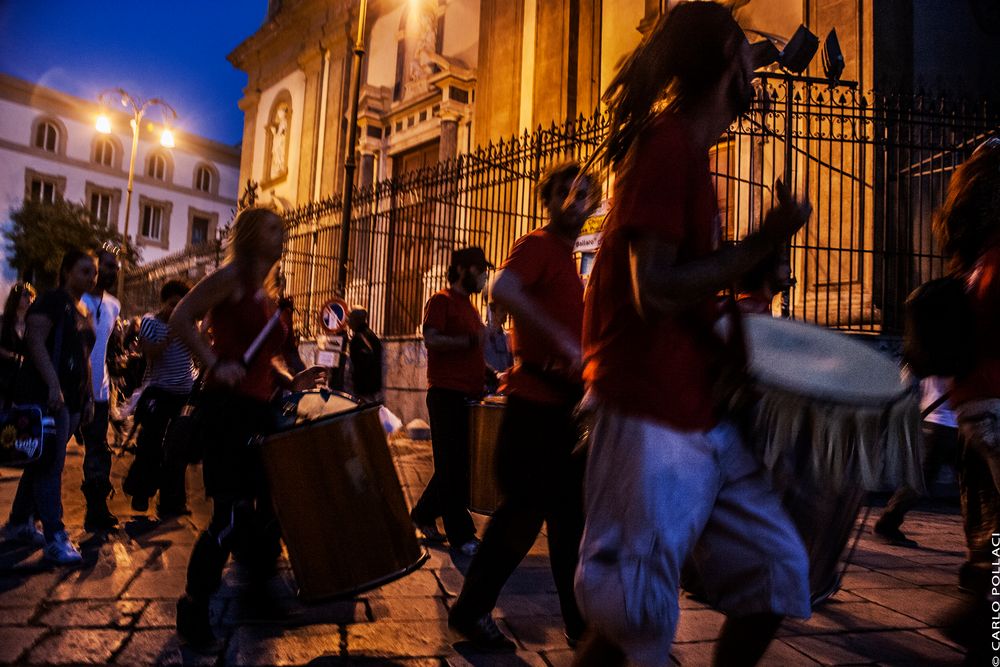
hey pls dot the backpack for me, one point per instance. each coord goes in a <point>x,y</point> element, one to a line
<point>939,329</point>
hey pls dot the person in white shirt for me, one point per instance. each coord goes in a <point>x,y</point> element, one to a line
<point>103,309</point>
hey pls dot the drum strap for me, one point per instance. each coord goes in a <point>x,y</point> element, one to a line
<point>926,412</point>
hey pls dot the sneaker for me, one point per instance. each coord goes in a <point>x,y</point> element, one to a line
<point>470,548</point>
<point>25,533</point>
<point>194,627</point>
<point>893,535</point>
<point>430,532</point>
<point>482,633</point>
<point>60,550</point>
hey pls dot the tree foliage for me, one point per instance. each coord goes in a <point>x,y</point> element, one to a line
<point>42,232</point>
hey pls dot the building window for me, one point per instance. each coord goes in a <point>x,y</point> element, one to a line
<point>100,206</point>
<point>43,190</point>
<point>47,137</point>
<point>199,230</point>
<point>203,179</point>
<point>154,222</point>
<point>157,167</point>
<point>201,226</point>
<point>43,187</point>
<point>103,203</point>
<point>104,151</point>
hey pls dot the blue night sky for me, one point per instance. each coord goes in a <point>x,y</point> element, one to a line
<point>174,50</point>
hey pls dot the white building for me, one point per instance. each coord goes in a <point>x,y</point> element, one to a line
<point>50,147</point>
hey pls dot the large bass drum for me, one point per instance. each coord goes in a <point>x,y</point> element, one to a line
<point>337,496</point>
<point>833,419</point>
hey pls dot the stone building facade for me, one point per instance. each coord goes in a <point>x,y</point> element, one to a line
<point>49,148</point>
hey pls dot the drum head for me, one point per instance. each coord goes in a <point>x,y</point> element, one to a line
<point>811,361</point>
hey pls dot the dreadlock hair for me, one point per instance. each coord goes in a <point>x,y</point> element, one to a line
<point>683,57</point>
<point>970,217</point>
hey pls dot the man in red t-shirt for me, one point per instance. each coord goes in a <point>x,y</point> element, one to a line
<point>456,372</point>
<point>541,288</point>
<point>668,476</point>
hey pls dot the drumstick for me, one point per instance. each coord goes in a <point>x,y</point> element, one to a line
<point>264,333</point>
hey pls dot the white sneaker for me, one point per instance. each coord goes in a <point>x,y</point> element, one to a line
<point>60,550</point>
<point>470,548</point>
<point>26,533</point>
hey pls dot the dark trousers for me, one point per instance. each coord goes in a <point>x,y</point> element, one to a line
<point>245,525</point>
<point>541,480</point>
<point>940,449</point>
<point>96,453</point>
<point>447,494</point>
<point>152,469</point>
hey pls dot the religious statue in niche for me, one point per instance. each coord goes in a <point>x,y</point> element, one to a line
<point>278,130</point>
<point>421,47</point>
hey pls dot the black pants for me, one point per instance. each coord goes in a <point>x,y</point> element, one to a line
<point>243,519</point>
<point>941,448</point>
<point>152,469</point>
<point>245,525</point>
<point>541,480</point>
<point>447,494</point>
<point>96,453</point>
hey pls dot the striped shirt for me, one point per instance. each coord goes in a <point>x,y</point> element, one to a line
<point>173,371</point>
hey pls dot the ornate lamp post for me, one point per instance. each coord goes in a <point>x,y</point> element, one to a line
<point>138,107</point>
<point>349,163</point>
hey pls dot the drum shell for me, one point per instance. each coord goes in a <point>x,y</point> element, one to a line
<point>340,504</point>
<point>485,419</point>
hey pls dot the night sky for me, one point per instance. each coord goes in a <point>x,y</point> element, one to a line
<point>174,50</point>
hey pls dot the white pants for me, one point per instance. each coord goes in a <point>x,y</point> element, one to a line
<point>655,495</point>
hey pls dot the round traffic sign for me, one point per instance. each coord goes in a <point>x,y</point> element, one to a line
<point>333,315</point>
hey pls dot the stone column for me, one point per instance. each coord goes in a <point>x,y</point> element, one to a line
<point>448,147</point>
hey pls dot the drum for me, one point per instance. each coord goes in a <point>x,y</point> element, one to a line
<point>833,420</point>
<point>338,498</point>
<point>485,418</point>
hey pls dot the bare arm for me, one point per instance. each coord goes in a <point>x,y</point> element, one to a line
<point>435,340</point>
<point>508,291</point>
<point>660,284</point>
<point>208,293</point>
<point>35,335</point>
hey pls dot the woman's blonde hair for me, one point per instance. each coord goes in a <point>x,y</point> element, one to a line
<point>244,240</point>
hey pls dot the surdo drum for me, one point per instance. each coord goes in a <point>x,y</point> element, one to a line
<point>832,420</point>
<point>337,496</point>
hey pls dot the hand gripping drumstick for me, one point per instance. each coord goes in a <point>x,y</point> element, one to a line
<point>283,304</point>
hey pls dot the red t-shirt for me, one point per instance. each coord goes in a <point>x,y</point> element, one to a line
<point>656,368</point>
<point>235,325</point>
<point>545,267</point>
<point>452,314</point>
<point>984,291</point>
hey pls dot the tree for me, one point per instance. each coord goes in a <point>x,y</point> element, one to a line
<point>42,232</point>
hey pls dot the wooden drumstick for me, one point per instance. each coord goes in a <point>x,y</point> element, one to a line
<point>255,346</point>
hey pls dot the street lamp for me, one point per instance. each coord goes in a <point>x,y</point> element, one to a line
<point>138,108</point>
<point>349,164</point>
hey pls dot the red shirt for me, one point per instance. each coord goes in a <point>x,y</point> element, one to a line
<point>452,314</point>
<point>984,291</point>
<point>235,325</point>
<point>544,265</point>
<point>656,368</point>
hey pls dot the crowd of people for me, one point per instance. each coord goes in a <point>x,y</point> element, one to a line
<point>664,476</point>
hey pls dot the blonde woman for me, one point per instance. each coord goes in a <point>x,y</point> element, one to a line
<point>237,300</point>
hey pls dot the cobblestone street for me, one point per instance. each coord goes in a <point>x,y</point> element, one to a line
<point>119,606</point>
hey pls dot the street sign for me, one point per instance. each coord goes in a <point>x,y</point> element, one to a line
<point>333,315</point>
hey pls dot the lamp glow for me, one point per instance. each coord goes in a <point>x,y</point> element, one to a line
<point>167,139</point>
<point>103,124</point>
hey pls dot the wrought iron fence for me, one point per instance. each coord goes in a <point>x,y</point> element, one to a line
<point>875,168</point>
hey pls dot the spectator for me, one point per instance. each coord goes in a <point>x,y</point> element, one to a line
<point>366,358</point>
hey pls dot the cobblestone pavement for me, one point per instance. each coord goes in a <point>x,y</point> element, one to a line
<point>118,606</point>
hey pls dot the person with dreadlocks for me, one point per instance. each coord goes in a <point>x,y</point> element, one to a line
<point>668,476</point>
